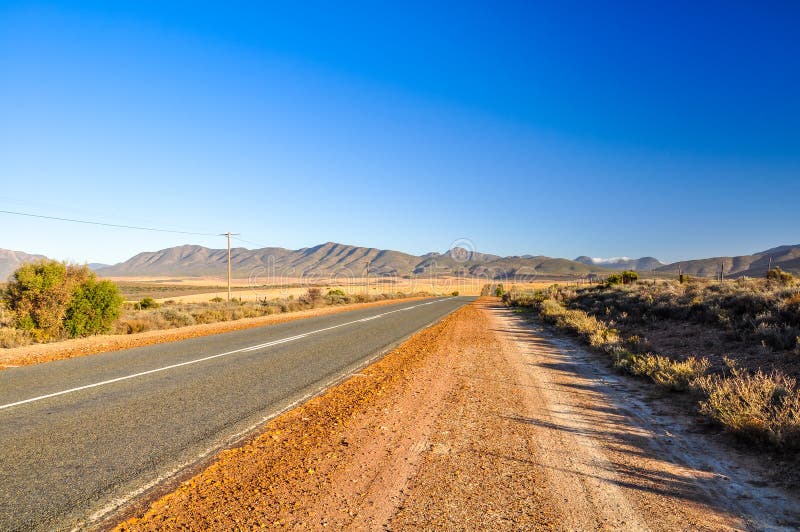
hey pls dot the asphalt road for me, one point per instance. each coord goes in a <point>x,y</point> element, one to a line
<point>79,436</point>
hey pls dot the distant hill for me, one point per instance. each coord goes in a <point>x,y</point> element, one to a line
<point>755,265</point>
<point>11,260</point>
<point>622,263</point>
<point>339,260</point>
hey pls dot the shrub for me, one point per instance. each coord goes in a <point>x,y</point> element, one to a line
<point>757,406</point>
<point>177,318</point>
<point>684,278</point>
<point>779,276</point>
<point>311,297</point>
<point>454,293</point>
<point>216,299</point>
<point>629,277</point>
<point>337,296</point>
<point>39,294</point>
<point>499,291</point>
<point>614,278</point>
<point>675,375</point>
<point>148,302</point>
<point>94,307</point>
<point>12,337</point>
<point>592,329</point>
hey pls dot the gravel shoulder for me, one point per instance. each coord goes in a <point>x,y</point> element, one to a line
<point>38,353</point>
<point>483,421</point>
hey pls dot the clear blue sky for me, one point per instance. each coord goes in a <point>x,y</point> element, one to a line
<point>630,128</point>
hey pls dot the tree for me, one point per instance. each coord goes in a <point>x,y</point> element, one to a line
<point>94,307</point>
<point>39,294</point>
<point>499,291</point>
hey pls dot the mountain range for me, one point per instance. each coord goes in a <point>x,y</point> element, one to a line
<point>341,260</point>
<point>338,260</point>
<point>623,263</point>
<point>755,265</point>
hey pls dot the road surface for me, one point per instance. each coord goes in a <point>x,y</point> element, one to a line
<point>79,437</point>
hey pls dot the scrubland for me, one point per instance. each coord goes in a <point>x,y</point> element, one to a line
<point>734,345</point>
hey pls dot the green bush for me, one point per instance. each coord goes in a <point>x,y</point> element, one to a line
<point>94,307</point>
<point>216,299</point>
<point>499,291</point>
<point>148,302</point>
<point>629,277</point>
<point>336,292</point>
<point>614,278</point>
<point>39,294</point>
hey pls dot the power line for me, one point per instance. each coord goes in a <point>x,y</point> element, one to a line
<point>154,229</point>
<point>250,242</point>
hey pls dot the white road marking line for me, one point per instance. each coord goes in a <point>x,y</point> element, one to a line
<point>204,359</point>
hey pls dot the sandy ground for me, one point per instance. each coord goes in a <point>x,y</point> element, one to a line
<point>480,422</point>
<point>38,353</point>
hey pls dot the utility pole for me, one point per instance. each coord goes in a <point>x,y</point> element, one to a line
<point>229,235</point>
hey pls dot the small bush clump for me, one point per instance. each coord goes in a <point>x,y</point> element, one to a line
<point>758,406</point>
<point>13,337</point>
<point>779,276</point>
<point>148,302</point>
<point>673,374</point>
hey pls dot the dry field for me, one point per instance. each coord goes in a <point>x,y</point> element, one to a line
<point>202,289</point>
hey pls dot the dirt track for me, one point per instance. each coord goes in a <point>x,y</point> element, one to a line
<point>482,421</point>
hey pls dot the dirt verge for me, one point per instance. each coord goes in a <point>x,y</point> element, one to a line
<point>479,422</point>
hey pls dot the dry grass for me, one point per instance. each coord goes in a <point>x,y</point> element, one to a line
<point>759,406</point>
<point>672,374</point>
<point>12,337</point>
<point>174,314</point>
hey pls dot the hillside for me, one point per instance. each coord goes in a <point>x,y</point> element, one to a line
<point>11,260</point>
<point>755,265</point>
<point>340,260</point>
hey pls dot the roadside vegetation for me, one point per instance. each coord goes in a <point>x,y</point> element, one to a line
<point>735,345</point>
<point>148,315</point>
<point>49,301</point>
